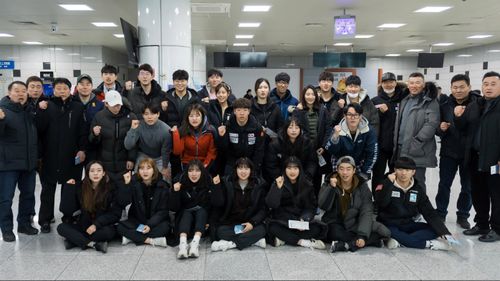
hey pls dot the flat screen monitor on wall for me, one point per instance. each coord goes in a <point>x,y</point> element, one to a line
<point>344,27</point>
<point>430,60</point>
<point>326,59</point>
<point>253,59</point>
<point>227,59</point>
<point>131,42</point>
<point>352,59</point>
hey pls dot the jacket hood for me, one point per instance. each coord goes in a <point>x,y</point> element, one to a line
<point>362,127</point>
<point>118,87</point>
<point>92,98</point>
<point>362,96</point>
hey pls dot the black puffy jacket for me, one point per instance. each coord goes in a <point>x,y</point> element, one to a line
<point>110,142</point>
<point>173,116</point>
<point>18,137</point>
<point>138,99</point>
<point>268,116</point>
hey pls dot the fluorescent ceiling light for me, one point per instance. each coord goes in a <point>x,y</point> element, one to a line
<point>249,24</point>
<point>443,44</point>
<point>32,43</point>
<point>212,42</point>
<point>6,35</point>
<point>414,50</point>
<point>480,36</point>
<point>243,36</point>
<point>432,9</point>
<point>56,49</point>
<point>391,25</point>
<point>89,58</point>
<point>361,36</point>
<point>493,51</point>
<point>240,44</point>
<point>464,56</point>
<point>118,35</point>
<point>342,44</point>
<point>76,7</point>
<point>393,55</point>
<point>104,24</point>
<point>73,54</point>
<point>256,8</point>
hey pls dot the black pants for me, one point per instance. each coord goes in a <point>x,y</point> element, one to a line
<point>337,232</point>
<point>78,236</point>
<point>485,191</point>
<point>126,229</point>
<point>383,160</point>
<point>292,236</point>
<point>243,240</point>
<point>47,196</point>
<point>197,218</point>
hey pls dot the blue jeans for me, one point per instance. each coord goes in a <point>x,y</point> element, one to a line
<point>413,234</point>
<point>26,181</point>
<point>447,170</point>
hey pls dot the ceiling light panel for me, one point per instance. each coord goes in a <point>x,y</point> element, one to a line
<point>480,36</point>
<point>75,7</point>
<point>393,55</point>
<point>32,43</point>
<point>249,24</point>
<point>6,35</point>
<point>241,36</point>
<point>119,35</point>
<point>391,25</point>
<point>256,8</point>
<point>240,44</point>
<point>364,36</point>
<point>432,9</point>
<point>342,44</point>
<point>443,44</point>
<point>104,24</point>
<point>414,50</point>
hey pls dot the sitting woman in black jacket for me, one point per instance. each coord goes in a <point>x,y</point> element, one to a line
<point>94,199</point>
<point>240,199</point>
<point>348,206</point>
<point>148,221</point>
<point>190,199</point>
<point>291,141</point>
<point>292,202</point>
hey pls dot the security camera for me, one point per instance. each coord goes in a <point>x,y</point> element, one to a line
<point>54,28</point>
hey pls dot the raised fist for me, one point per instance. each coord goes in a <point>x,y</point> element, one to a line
<point>222,130</point>
<point>341,103</point>
<point>177,186</point>
<point>459,110</point>
<point>279,182</point>
<point>216,179</point>
<point>333,181</point>
<point>127,177</point>
<point>164,105</point>
<point>135,124</point>
<point>2,114</point>
<point>96,130</point>
<point>43,105</point>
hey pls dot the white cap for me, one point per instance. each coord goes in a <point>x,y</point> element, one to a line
<point>113,98</point>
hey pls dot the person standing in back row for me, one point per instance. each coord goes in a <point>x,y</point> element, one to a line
<point>282,96</point>
<point>416,125</point>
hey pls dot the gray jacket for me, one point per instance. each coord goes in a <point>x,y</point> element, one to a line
<point>423,120</point>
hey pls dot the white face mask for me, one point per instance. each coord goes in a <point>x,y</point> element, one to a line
<point>353,95</point>
<point>389,91</point>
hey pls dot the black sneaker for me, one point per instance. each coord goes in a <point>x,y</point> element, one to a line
<point>338,246</point>
<point>8,236</point>
<point>476,231</point>
<point>45,227</point>
<point>101,247</point>
<point>492,236</point>
<point>463,223</point>
<point>27,229</point>
<point>68,245</point>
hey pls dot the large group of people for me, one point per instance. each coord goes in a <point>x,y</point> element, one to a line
<point>164,168</point>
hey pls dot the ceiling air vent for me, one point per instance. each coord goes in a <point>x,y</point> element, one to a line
<point>210,8</point>
<point>20,22</point>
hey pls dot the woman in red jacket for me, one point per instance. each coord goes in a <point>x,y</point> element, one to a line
<point>195,139</point>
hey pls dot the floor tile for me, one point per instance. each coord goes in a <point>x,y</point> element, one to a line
<point>103,267</point>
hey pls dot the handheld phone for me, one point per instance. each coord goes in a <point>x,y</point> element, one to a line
<point>77,160</point>
<point>140,228</point>
<point>238,228</point>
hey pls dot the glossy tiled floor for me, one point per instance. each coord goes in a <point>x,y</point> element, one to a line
<point>44,257</point>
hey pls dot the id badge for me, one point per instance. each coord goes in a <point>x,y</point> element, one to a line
<point>413,197</point>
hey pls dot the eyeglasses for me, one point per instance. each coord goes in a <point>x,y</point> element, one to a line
<point>282,83</point>
<point>353,116</point>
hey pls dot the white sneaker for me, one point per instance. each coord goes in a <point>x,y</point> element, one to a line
<point>317,244</point>
<point>278,242</point>
<point>159,241</point>
<point>222,245</point>
<point>261,243</point>
<point>194,250</point>
<point>183,251</point>
<point>125,240</point>
<point>439,245</point>
<point>392,244</point>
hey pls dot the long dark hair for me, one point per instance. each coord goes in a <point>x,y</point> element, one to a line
<point>303,184</point>
<point>204,180</point>
<point>244,162</point>
<point>288,147</point>
<point>94,199</point>
<point>186,128</point>
<point>302,98</point>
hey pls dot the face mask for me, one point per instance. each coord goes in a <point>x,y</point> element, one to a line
<point>389,91</point>
<point>353,95</point>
